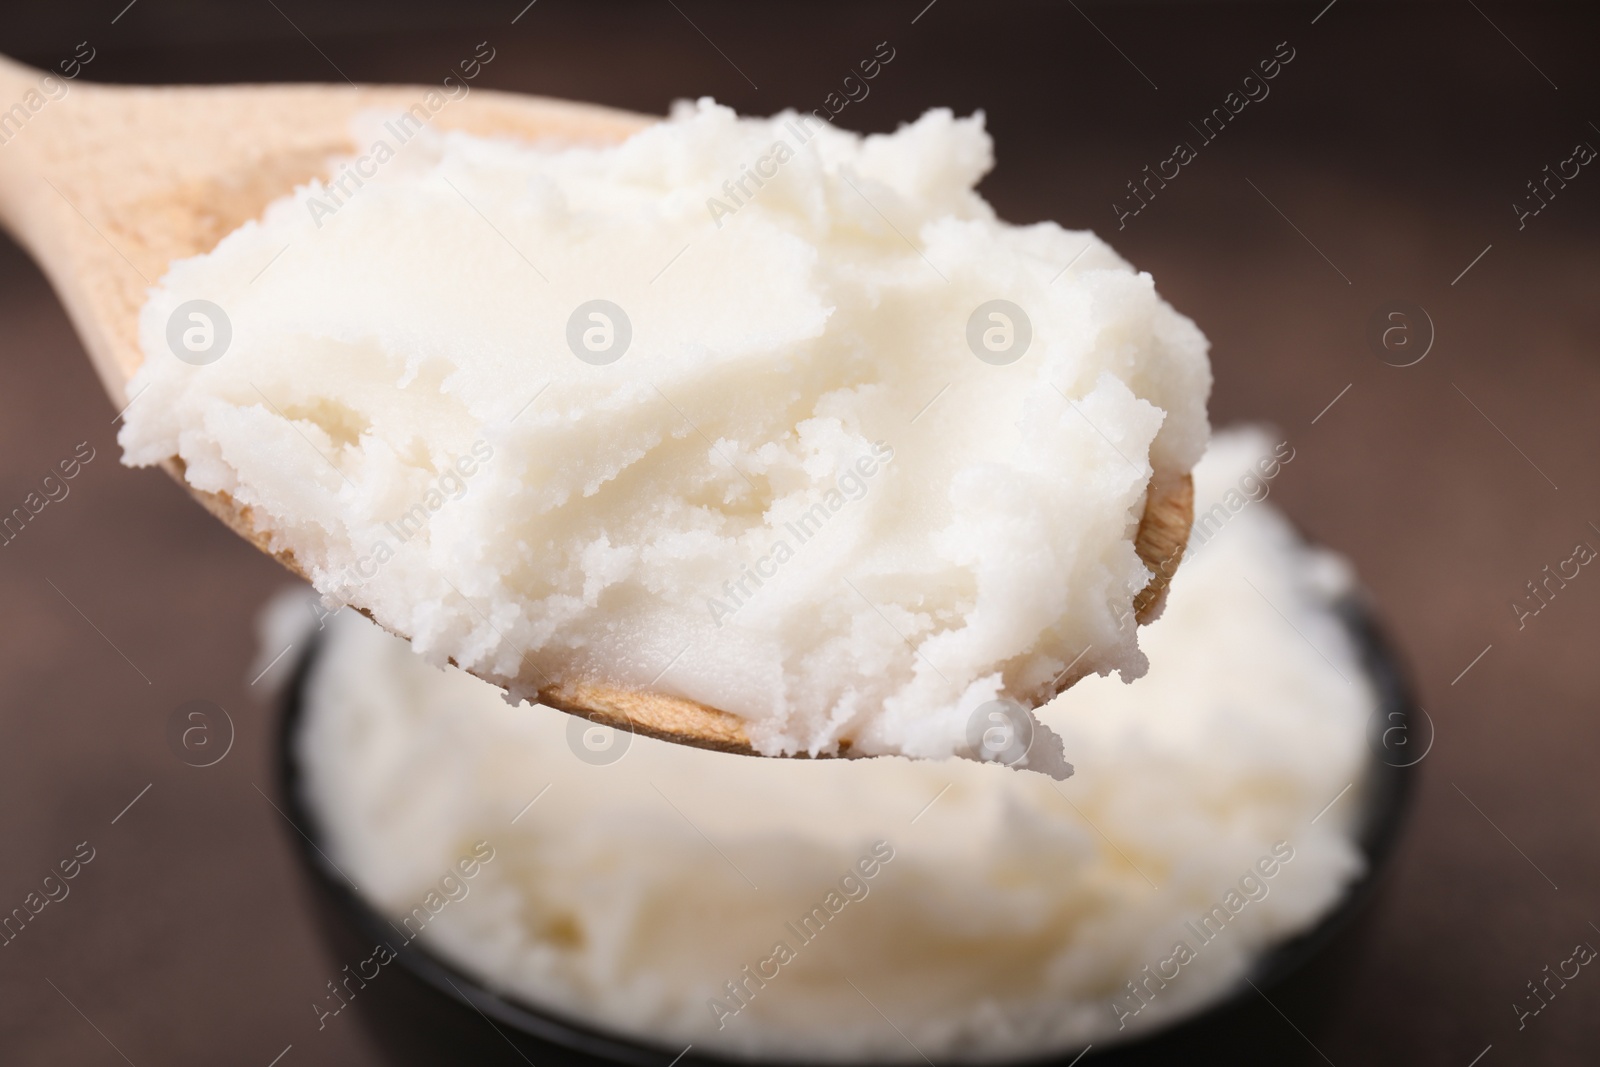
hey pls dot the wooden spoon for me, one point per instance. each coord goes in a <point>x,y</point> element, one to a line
<point>107,185</point>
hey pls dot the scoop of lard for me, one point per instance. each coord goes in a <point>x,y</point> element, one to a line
<point>760,413</point>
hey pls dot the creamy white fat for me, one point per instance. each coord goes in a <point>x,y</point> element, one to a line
<point>1015,909</point>
<point>798,496</point>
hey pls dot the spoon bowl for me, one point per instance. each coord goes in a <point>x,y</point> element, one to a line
<point>105,186</point>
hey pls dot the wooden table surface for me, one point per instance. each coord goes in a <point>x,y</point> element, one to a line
<point>1383,166</point>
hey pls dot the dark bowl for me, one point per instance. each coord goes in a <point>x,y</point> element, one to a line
<point>426,1011</point>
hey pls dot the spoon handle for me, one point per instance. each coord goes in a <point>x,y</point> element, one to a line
<point>15,81</point>
<point>48,173</point>
<point>25,94</point>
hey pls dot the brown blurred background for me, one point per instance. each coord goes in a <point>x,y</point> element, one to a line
<point>1385,161</point>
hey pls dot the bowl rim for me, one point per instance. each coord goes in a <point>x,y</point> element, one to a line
<point>1386,794</point>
